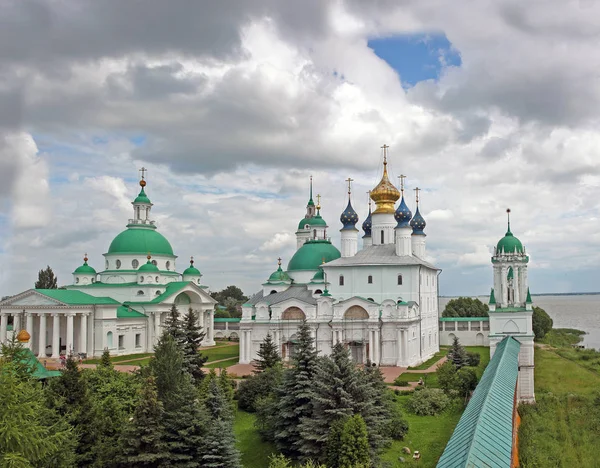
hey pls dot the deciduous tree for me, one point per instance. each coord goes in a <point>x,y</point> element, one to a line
<point>465,307</point>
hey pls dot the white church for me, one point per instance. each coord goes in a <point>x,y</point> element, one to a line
<point>121,308</point>
<point>380,301</point>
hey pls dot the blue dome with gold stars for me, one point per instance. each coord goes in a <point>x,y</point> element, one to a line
<point>367,224</point>
<point>349,218</point>
<point>403,214</point>
<point>418,224</point>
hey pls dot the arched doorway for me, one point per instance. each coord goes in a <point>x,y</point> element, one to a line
<point>293,313</point>
<point>479,339</point>
<point>355,332</point>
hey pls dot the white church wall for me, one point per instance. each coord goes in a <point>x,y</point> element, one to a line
<point>127,262</point>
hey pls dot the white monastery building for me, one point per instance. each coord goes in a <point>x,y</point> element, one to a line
<point>380,301</point>
<point>121,308</point>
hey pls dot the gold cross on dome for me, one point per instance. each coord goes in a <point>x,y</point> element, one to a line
<point>143,170</point>
<point>402,177</point>
<point>349,180</point>
<point>279,261</point>
<point>385,147</point>
<point>318,201</point>
<point>417,190</point>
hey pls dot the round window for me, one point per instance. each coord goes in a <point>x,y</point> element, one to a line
<point>135,263</point>
<point>168,265</point>
<point>141,279</point>
<point>118,264</point>
<point>154,262</point>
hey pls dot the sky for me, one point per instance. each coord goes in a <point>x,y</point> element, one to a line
<point>233,105</point>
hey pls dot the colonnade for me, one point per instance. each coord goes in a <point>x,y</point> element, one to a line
<point>205,319</point>
<point>75,342</point>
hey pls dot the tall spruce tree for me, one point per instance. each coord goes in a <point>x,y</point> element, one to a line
<point>336,393</point>
<point>105,362</point>
<point>354,445</point>
<point>167,366</point>
<point>268,355</point>
<point>46,279</point>
<point>377,408</point>
<point>458,354</point>
<point>219,442</point>
<point>142,441</point>
<point>193,359</point>
<point>174,326</point>
<point>293,395</point>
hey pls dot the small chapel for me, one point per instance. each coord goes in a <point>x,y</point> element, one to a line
<point>120,308</point>
<point>379,300</point>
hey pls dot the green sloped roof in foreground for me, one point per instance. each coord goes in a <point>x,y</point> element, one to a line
<point>484,434</point>
<point>128,312</point>
<point>39,372</point>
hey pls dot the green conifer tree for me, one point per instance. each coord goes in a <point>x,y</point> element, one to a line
<point>354,445</point>
<point>268,355</point>
<point>219,442</point>
<point>377,409</point>
<point>174,326</point>
<point>457,354</point>
<point>167,366</point>
<point>105,362</point>
<point>193,359</point>
<point>46,279</point>
<point>142,441</point>
<point>293,397</point>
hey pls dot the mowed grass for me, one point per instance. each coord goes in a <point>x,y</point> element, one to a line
<point>222,364</point>
<point>120,359</point>
<point>427,434</point>
<point>431,361</point>
<point>562,428</point>
<point>221,352</point>
<point>255,452</point>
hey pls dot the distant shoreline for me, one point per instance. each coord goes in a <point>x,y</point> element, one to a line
<point>541,294</point>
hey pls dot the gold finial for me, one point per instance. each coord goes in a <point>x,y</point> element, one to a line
<point>192,260</point>
<point>148,256</point>
<point>279,261</point>
<point>417,190</point>
<point>508,216</point>
<point>349,180</point>
<point>85,257</point>
<point>318,201</point>
<point>385,194</point>
<point>23,336</point>
<point>385,147</point>
<point>402,177</point>
<point>322,260</point>
<point>143,170</point>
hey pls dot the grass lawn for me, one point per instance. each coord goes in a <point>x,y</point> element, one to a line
<point>561,429</point>
<point>430,379</point>
<point>227,363</point>
<point>563,337</point>
<point>431,361</point>
<point>255,452</point>
<point>427,434</point>
<point>119,359</point>
<point>221,352</point>
<point>484,353</point>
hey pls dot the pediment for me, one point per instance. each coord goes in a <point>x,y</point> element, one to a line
<point>30,298</point>
<point>191,288</point>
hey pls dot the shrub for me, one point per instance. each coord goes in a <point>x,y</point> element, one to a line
<point>473,359</point>
<point>541,323</point>
<point>259,385</point>
<point>399,382</point>
<point>398,427</point>
<point>428,402</point>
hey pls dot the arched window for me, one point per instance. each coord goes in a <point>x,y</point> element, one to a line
<point>106,264</point>
<point>370,299</point>
<point>154,263</point>
<point>156,278</point>
<point>157,293</point>
<point>381,237</point>
<point>293,313</point>
<point>399,280</point>
<point>141,279</point>
<point>318,291</point>
<point>314,233</point>
<point>168,265</point>
<point>109,340</point>
<point>341,280</point>
<point>140,293</point>
<point>273,292</point>
<point>118,264</point>
<point>77,280</point>
<point>356,313</point>
<point>198,281</point>
<point>370,279</point>
<point>138,211</point>
<point>135,263</point>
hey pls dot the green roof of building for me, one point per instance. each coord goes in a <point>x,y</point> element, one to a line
<point>192,271</point>
<point>38,371</point>
<point>464,319</point>
<point>142,198</point>
<point>316,220</point>
<point>128,312</point>
<point>172,288</point>
<point>509,244</point>
<point>484,434</point>
<point>224,320</point>
<point>528,300</point>
<point>75,297</point>
<point>312,254</point>
<point>140,240</point>
<point>492,297</point>
<point>148,267</point>
<point>279,276</point>
<point>508,309</point>
<point>84,269</point>
<point>319,276</point>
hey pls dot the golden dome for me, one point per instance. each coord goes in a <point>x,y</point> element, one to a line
<point>23,336</point>
<point>385,195</point>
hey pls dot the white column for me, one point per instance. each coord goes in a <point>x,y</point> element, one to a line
<point>42,337</point>
<point>371,346</point>
<point>211,326</point>
<point>69,340</point>
<point>248,346</point>
<point>16,323</point>
<point>3,326</point>
<point>504,283</point>
<point>405,348</point>
<point>83,334</point>
<point>242,344</point>
<point>55,334</point>
<point>156,326</point>
<point>376,350</point>
<point>398,347</point>
<point>29,328</point>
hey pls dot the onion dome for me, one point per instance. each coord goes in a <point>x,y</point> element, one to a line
<point>316,220</point>
<point>139,240</point>
<point>312,254</point>
<point>403,214</point>
<point>23,336</point>
<point>148,266</point>
<point>319,276</point>
<point>85,269</point>
<point>368,223</point>
<point>349,218</point>
<point>279,276</point>
<point>418,224</point>
<point>385,195</point>
<point>192,270</point>
<point>142,197</point>
<point>509,243</point>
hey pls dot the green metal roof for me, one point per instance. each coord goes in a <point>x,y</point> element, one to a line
<point>149,266</point>
<point>39,372</point>
<point>230,320</point>
<point>508,309</point>
<point>85,269</point>
<point>492,297</point>
<point>74,297</point>
<point>484,434</point>
<point>464,319</point>
<point>312,254</point>
<point>279,276</point>
<point>140,240</point>
<point>316,220</point>
<point>528,300</point>
<point>128,312</point>
<point>509,243</point>
<point>142,198</point>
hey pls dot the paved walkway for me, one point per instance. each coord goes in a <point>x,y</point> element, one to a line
<point>392,373</point>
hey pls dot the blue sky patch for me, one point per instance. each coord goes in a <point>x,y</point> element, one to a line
<point>416,57</point>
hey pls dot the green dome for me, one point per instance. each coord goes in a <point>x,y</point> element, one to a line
<point>319,276</point>
<point>314,221</point>
<point>312,254</point>
<point>509,244</point>
<point>148,266</point>
<point>140,241</point>
<point>279,276</point>
<point>84,269</point>
<point>192,270</point>
<point>142,198</point>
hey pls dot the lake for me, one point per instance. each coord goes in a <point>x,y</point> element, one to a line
<point>581,312</point>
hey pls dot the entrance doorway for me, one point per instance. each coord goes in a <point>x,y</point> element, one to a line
<point>357,352</point>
